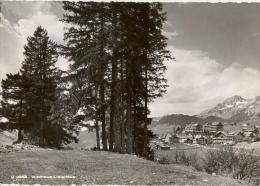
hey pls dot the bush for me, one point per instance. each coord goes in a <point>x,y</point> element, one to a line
<point>188,159</point>
<point>163,160</point>
<point>240,164</point>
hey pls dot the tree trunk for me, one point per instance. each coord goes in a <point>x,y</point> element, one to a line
<point>111,127</point>
<point>115,118</point>
<point>115,132</point>
<point>97,134</point>
<point>117,123</point>
<point>102,87</point>
<point>20,138</point>
<point>41,142</point>
<point>103,119</point>
<point>129,128</point>
<point>146,113</point>
<point>122,114</point>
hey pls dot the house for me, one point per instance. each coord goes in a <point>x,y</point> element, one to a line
<point>254,130</point>
<point>175,139</point>
<point>250,136</point>
<point>219,126</point>
<point>222,138</point>
<point>208,140</point>
<point>251,133</point>
<point>182,138</point>
<point>185,138</point>
<point>230,123</point>
<point>212,128</point>
<point>236,136</point>
<point>199,139</point>
<point>193,128</point>
<point>167,138</point>
<point>245,126</point>
<point>209,129</point>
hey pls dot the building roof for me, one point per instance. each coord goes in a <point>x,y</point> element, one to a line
<point>249,134</point>
<point>221,132</point>
<point>216,123</point>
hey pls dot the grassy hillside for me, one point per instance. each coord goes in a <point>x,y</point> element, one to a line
<point>93,167</point>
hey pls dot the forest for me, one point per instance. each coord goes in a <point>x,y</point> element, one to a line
<point>116,54</point>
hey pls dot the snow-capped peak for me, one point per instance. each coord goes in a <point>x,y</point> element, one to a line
<point>235,106</point>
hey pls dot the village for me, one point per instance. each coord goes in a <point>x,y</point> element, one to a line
<point>209,134</point>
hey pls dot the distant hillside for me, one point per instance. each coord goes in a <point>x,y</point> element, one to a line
<point>183,120</point>
<point>179,119</point>
<point>168,123</point>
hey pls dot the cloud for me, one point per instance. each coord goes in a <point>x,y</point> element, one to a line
<point>17,25</point>
<point>26,27</point>
<point>11,48</point>
<point>170,35</point>
<point>197,82</point>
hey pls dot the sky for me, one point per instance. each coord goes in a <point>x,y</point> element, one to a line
<point>216,46</point>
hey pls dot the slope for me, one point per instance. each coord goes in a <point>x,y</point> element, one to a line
<point>97,167</point>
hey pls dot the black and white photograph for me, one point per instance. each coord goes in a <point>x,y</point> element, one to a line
<point>129,93</point>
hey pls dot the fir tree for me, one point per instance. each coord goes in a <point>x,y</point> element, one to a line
<point>87,47</point>
<point>118,51</point>
<point>39,69</point>
<point>14,89</point>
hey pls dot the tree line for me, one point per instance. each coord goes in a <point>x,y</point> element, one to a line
<point>116,53</point>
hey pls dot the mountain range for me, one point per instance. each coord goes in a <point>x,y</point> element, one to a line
<point>233,109</point>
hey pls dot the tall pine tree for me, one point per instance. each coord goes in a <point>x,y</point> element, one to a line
<point>118,51</point>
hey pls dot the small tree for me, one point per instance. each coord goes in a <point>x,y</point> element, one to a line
<point>14,89</point>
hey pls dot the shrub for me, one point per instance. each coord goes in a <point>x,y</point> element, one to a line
<point>188,159</point>
<point>240,164</point>
<point>163,160</point>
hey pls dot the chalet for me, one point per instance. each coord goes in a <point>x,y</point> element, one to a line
<point>222,138</point>
<point>244,126</point>
<point>253,129</point>
<point>219,126</point>
<point>208,128</point>
<point>236,136</point>
<point>212,128</point>
<point>185,138</point>
<point>250,133</point>
<point>250,136</point>
<point>200,139</point>
<point>193,128</point>
<point>175,139</point>
<point>230,123</point>
<point>167,138</point>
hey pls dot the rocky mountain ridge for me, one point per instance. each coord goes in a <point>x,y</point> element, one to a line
<point>235,108</point>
